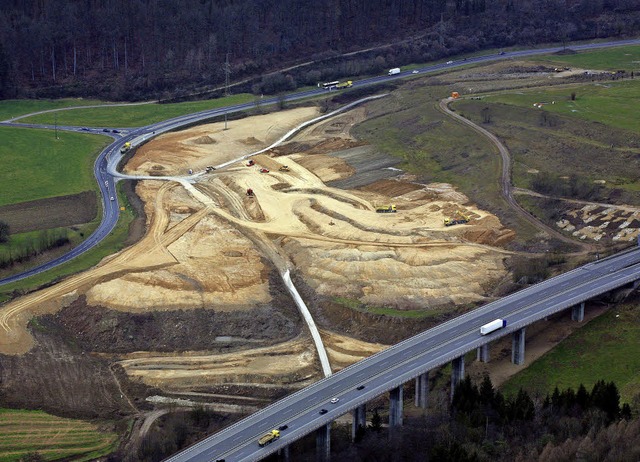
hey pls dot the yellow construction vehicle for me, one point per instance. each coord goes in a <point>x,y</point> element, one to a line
<point>284,168</point>
<point>269,438</point>
<point>125,147</point>
<point>386,208</point>
<point>461,220</point>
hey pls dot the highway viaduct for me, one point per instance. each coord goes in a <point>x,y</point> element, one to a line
<point>313,408</point>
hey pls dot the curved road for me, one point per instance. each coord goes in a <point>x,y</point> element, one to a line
<point>141,135</point>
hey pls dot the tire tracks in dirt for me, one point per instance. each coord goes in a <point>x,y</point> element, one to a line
<point>15,315</point>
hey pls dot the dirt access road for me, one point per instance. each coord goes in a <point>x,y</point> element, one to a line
<point>217,253</point>
<point>505,179</point>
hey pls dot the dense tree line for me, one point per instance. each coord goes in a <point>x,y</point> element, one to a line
<point>137,48</point>
<point>31,247</point>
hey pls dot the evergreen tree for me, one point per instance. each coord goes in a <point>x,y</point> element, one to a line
<point>582,397</point>
<point>605,397</point>
<point>487,393</point>
<point>4,231</point>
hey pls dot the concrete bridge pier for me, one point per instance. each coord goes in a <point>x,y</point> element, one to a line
<point>359,419</point>
<point>483,353</point>
<point>395,407</point>
<point>457,373</point>
<point>283,454</point>
<point>517,347</point>
<point>577,312</point>
<point>422,390</point>
<point>323,443</point>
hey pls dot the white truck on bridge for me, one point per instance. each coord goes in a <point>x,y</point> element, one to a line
<point>493,326</point>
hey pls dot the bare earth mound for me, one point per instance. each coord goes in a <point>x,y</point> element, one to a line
<point>211,247</point>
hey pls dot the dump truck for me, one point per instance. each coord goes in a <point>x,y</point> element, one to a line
<point>347,84</point>
<point>461,220</point>
<point>394,71</point>
<point>269,438</point>
<point>493,326</point>
<point>386,208</point>
<point>250,163</point>
<point>125,147</point>
<point>250,192</point>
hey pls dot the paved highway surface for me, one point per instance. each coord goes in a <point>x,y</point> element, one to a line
<point>111,155</point>
<point>404,361</point>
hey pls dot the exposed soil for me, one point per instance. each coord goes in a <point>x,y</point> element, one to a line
<point>54,212</point>
<point>102,330</point>
<point>196,306</point>
<point>44,377</point>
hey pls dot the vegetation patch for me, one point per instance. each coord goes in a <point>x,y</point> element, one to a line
<point>27,432</point>
<point>611,59</point>
<point>606,348</point>
<point>134,115</point>
<point>36,165</point>
<point>381,310</point>
<point>562,154</point>
<point>17,107</point>
<point>610,102</point>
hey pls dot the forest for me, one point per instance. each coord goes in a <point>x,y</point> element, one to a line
<point>138,49</point>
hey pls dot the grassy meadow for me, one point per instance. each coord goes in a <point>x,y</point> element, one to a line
<point>36,165</point>
<point>606,348</point>
<point>609,59</point>
<point>133,115</point>
<point>11,108</point>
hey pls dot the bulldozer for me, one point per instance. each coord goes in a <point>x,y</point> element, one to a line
<point>386,208</point>
<point>461,220</point>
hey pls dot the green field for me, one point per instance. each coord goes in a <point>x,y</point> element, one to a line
<point>610,59</point>
<point>13,108</point>
<point>133,115</point>
<point>606,348</point>
<point>36,165</point>
<point>613,103</point>
<point>23,432</point>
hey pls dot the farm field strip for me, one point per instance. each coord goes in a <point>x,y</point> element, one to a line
<point>22,432</point>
